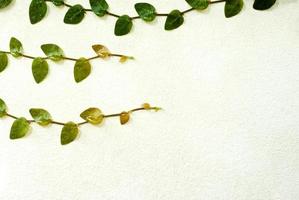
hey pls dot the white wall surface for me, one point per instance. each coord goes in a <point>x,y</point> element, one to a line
<point>229,89</point>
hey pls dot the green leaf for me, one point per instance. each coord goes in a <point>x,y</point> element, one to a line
<point>93,116</point>
<point>41,116</point>
<point>58,2</point>
<point>263,4</point>
<point>53,51</point>
<point>3,61</point>
<point>40,69</point>
<point>19,128</point>
<point>123,25</point>
<point>37,11</point>
<point>3,108</point>
<point>82,69</point>
<point>198,4</point>
<point>174,20</point>
<point>69,133</point>
<point>74,15</point>
<point>99,7</point>
<point>4,3</point>
<point>16,47</point>
<point>146,11</point>
<point>233,7</point>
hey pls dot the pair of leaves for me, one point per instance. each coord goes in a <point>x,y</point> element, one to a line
<point>40,67</point>
<point>4,3</point>
<point>38,10</point>
<point>263,4</point>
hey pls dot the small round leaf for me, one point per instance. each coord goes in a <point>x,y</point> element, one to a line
<point>174,20</point>
<point>101,50</point>
<point>4,3</point>
<point>93,116</point>
<point>74,15</point>
<point>263,4</point>
<point>40,69</point>
<point>198,4</point>
<point>69,133</point>
<point>124,118</point>
<point>233,7</point>
<point>3,61</point>
<point>41,116</point>
<point>53,51</point>
<point>37,11</point>
<point>146,11</point>
<point>3,108</point>
<point>99,7</point>
<point>16,47</point>
<point>19,128</point>
<point>82,69</point>
<point>123,25</point>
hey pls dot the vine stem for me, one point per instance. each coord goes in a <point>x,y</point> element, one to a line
<point>138,17</point>
<point>86,122</point>
<point>68,58</point>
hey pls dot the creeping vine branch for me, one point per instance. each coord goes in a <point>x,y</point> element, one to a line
<point>70,130</point>
<point>145,11</point>
<point>40,67</point>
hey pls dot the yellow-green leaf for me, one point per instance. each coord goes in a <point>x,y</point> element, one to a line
<point>233,7</point>
<point>40,69</point>
<point>93,116</point>
<point>82,69</point>
<point>69,133</point>
<point>53,51</point>
<point>3,108</point>
<point>124,118</point>
<point>19,128</point>
<point>41,116</point>
<point>16,47</point>
<point>101,50</point>
<point>146,106</point>
<point>3,61</point>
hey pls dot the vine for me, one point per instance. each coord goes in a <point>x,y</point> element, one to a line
<point>145,11</point>
<point>40,67</point>
<point>70,130</point>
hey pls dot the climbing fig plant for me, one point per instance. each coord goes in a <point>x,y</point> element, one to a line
<point>70,130</point>
<point>145,11</point>
<point>40,66</point>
